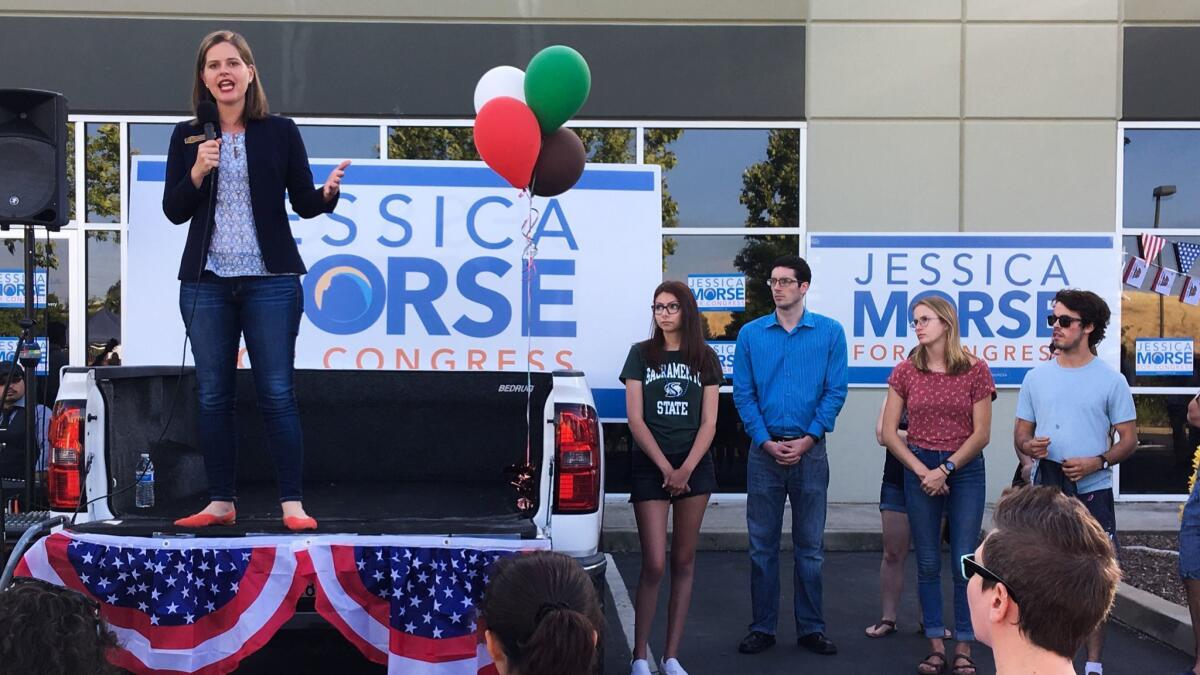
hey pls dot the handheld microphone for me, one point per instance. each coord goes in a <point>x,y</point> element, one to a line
<point>206,115</point>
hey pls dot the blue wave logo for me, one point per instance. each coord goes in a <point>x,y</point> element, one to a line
<point>345,294</point>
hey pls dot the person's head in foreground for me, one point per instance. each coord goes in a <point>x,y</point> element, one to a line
<point>51,630</point>
<point>1041,581</point>
<point>541,616</point>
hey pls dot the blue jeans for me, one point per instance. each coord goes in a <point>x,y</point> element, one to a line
<point>963,507</point>
<point>1189,536</point>
<point>768,484</point>
<point>266,310</point>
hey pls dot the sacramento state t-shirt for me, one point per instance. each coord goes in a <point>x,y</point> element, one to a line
<point>672,396</point>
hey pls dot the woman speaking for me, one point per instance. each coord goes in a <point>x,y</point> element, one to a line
<point>240,274</point>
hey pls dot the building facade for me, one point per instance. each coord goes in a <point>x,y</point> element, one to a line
<point>772,120</point>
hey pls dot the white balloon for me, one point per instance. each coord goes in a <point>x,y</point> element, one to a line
<point>500,81</point>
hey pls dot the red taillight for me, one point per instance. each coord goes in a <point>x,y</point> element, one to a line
<point>66,453</point>
<point>578,449</point>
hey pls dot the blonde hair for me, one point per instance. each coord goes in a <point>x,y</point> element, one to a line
<point>958,360</point>
<point>256,99</point>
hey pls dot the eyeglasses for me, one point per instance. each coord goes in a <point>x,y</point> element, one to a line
<point>670,308</point>
<point>923,321</point>
<point>970,568</point>
<point>785,282</point>
<point>1062,320</point>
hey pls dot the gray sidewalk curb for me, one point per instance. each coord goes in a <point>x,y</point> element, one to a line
<point>1147,613</point>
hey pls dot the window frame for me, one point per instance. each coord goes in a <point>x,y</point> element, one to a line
<point>1121,233</point>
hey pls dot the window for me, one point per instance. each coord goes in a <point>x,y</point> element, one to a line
<point>103,253</point>
<point>102,162</point>
<point>339,142</point>
<point>1160,195</point>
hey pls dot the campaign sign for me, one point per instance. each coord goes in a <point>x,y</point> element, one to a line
<point>421,267</point>
<point>725,350</point>
<point>718,292</point>
<point>8,348</point>
<point>12,289</point>
<point>1002,286</point>
<point>1171,357</point>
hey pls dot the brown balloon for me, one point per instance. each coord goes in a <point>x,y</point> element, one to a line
<point>559,164</point>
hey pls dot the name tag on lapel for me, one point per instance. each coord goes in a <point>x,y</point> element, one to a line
<point>198,138</point>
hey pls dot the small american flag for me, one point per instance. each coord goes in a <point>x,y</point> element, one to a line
<point>1152,245</point>
<point>1186,252</point>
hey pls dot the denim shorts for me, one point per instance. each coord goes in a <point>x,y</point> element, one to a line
<point>1189,537</point>
<point>891,497</point>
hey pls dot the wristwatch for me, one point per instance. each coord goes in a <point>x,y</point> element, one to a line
<point>948,467</point>
<point>1104,462</point>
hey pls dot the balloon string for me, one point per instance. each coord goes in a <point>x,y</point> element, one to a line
<point>528,255</point>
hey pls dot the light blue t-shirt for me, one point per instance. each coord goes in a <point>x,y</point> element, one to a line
<point>1076,409</point>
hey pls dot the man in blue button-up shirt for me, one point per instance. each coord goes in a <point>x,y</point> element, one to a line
<point>789,383</point>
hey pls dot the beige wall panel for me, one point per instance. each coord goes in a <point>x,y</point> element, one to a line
<point>1021,70</point>
<point>887,176</point>
<point>1039,10</point>
<point>856,459</point>
<point>1039,176</point>
<point>885,10</point>
<point>883,70</point>
<point>1162,10</point>
<point>585,10</point>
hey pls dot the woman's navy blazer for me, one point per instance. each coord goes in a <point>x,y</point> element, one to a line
<point>276,161</point>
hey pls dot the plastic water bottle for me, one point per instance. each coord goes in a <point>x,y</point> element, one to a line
<point>144,496</point>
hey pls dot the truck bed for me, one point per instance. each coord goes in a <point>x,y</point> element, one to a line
<point>358,508</point>
<point>400,452</point>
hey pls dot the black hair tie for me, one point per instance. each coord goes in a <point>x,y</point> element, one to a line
<point>546,608</point>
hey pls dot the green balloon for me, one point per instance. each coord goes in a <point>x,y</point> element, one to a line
<point>557,82</point>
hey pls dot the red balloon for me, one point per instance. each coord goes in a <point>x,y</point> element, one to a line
<point>508,138</point>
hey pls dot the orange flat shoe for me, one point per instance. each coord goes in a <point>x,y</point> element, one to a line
<point>296,524</point>
<point>205,520</point>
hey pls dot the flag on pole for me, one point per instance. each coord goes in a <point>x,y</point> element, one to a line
<point>1186,252</point>
<point>1152,245</point>
<point>1163,280</point>
<point>1191,291</point>
<point>179,608</point>
<point>1135,272</point>
<point>411,604</point>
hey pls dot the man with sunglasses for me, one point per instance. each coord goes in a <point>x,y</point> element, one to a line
<point>1040,583</point>
<point>1066,414</point>
<point>789,384</point>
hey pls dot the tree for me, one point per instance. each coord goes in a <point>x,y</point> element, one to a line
<point>771,194</point>
<point>657,150</point>
<point>442,143</point>
<point>102,157</point>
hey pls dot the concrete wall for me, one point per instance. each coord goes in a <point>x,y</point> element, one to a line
<point>976,115</point>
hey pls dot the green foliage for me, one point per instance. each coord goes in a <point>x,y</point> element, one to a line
<point>432,143</point>
<point>102,159</point>
<point>657,150</point>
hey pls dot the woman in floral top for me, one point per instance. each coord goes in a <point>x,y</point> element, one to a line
<point>947,393</point>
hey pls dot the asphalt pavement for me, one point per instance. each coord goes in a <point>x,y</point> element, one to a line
<point>720,614</point>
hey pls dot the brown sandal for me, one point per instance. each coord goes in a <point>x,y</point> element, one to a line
<point>966,669</point>
<point>937,668</point>
<point>881,629</point>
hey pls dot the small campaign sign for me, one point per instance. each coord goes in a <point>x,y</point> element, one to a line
<point>8,346</point>
<point>719,292</point>
<point>725,350</point>
<point>12,289</point>
<point>1167,356</point>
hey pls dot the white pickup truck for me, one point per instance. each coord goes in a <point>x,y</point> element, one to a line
<point>400,452</point>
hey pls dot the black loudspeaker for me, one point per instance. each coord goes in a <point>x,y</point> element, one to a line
<point>33,158</point>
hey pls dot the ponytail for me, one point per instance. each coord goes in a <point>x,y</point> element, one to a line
<point>564,641</point>
<point>545,613</point>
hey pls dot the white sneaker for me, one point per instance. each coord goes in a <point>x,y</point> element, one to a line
<point>671,667</point>
<point>640,667</point>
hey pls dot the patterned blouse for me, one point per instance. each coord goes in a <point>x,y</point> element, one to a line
<point>234,251</point>
<point>940,406</point>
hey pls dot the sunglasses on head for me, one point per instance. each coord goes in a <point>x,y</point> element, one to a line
<point>1062,320</point>
<point>970,567</point>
